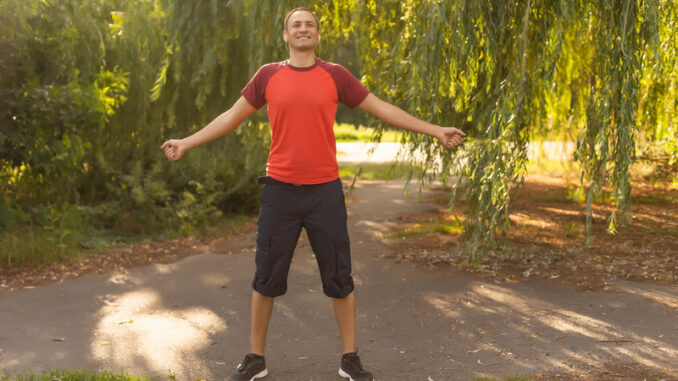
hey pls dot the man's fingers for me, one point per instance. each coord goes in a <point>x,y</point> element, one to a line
<point>452,137</point>
<point>171,150</point>
<point>453,141</point>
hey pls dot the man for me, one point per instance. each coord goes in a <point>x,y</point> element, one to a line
<point>302,186</point>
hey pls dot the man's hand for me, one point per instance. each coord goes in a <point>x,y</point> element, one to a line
<point>450,137</point>
<point>174,149</point>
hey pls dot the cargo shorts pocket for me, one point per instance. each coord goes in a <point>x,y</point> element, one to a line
<point>342,249</point>
<point>262,258</point>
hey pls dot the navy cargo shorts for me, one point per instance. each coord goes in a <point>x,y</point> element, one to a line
<point>285,209</point>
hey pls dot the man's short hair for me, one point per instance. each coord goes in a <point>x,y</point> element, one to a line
<point>290,13</point>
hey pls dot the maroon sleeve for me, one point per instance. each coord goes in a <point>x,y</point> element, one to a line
<point>255,90</point>
<point>351,91</point>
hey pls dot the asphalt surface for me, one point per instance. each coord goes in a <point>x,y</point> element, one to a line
<point>191,318</point>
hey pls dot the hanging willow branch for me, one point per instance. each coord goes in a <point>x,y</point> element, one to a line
<point>478,65</point>
<point>493,68</point>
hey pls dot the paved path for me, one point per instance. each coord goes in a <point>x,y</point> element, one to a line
<point>191,317</point>
<point>366,152</point>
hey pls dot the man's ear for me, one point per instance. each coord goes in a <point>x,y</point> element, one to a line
<point>285,36</point>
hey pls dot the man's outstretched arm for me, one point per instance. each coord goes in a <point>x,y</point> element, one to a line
<point>450,137</point>
<point>220,126</point>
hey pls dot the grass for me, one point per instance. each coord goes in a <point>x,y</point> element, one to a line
<point>349,133</point>
<point>573,230</point>
<point>225,225</point>
<point>36,247</point>
<point>383,171</point>
<point>424,229</point>
<point>653,199</point>
<point>77,375</point>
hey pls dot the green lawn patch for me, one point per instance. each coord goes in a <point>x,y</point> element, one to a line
<point>36,246</point>
<point>424,229</point>
<point>78,375</point>
<point>376,171</point>
<point>350,133</point>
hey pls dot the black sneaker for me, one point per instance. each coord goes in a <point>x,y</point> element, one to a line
<point>253,366</point>
<point>352,369</point>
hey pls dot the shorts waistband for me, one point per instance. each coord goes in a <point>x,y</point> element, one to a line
<point>268,180</point>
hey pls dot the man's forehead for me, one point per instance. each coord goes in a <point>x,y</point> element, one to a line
<point>301,15</point>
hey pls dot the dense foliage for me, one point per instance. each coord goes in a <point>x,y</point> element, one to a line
<point>90,88</point>
<point>508,72</point>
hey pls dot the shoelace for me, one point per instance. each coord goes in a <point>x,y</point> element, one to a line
<point>241,368</point>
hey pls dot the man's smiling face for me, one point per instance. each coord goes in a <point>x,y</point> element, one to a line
<point>301,31</point>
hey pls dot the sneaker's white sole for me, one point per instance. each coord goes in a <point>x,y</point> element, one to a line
<point>261,374</point>
<point>345,375</point>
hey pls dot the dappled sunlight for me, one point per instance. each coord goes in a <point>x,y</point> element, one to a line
<point>118,279</point>
<point>664,219</point>
<point>569,322</point>
<point>665,298</point>
<point>375,226</point>
<point>394,185</point>
<point>447,307</point>
<point>524,219</point>
<point>164,268</point>
<point>508,298</point>
<point>548,323</point>
<point>567,212</point>
<point>136,331</point>
<point>215,279</point>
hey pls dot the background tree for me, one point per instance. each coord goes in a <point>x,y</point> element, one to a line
<point>501,70</point>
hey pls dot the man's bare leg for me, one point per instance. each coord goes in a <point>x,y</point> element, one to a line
<point>261,309</point>
<point>344,309</point>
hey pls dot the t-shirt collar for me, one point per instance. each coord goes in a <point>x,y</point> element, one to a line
<point>317,60</point>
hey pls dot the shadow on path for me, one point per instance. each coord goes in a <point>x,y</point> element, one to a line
<point>192,317</point>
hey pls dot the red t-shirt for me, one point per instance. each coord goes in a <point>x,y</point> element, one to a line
<point>302,105</point>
